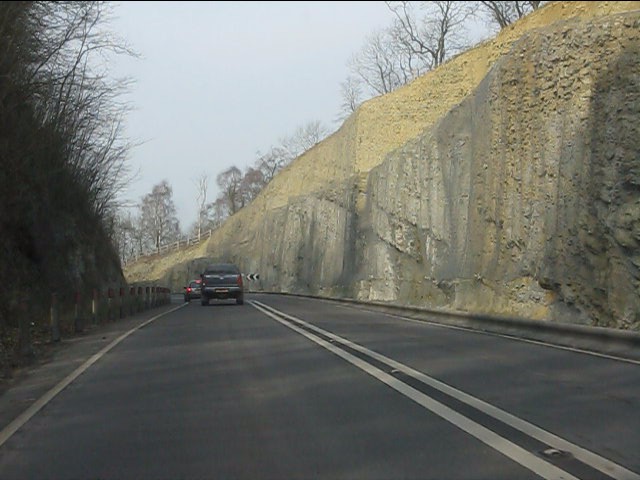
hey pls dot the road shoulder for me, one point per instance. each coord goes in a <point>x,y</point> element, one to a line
<point>31,383</point>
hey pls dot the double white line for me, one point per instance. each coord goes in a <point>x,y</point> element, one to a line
<point>539,466</point>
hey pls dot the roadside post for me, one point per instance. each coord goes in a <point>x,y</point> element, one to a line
<point>139,300</point>
<point>110,295</point>
<point>121,303</point>
<point>77,320</point>
<point>55,318</point>
<point>25,347</point>
<point>94,307</point>
<point>132,300</point>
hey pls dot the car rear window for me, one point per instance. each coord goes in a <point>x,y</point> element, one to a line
<point>194,284</point>
<point>221,270</point>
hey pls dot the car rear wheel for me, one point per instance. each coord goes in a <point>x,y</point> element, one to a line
<point>240,301</point>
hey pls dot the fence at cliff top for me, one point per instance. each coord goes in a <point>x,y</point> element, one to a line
<point>74,313</point>
<point>182,242</point>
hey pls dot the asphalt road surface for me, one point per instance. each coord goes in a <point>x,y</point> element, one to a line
<point>287,387</point>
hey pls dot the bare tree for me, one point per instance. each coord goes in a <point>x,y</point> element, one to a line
<point>272,162</point>
<point>217,212</point>
<point>437,34</point>
<point>139,237</point>
<point>128,236</point>
<point>305,137</point>
<point>158,215</point>
<point>70,87</point>
<point>422,37</point>
<point>238,189</point>
<point>229,182</point>
<point>251,185</point>
<point>202,184</point>
<point>505,13</point>
<point>377,63</point>
<point>121,236</point>
<point>62,149</point>
<point>351,93</point>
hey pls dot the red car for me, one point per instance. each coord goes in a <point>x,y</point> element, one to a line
<point>192,291</point>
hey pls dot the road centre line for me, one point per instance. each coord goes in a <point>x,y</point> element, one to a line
<point>587,457</point>
<point>493,440</point>
<point>24,417</point>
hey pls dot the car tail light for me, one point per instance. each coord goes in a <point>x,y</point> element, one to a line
<point>188,289</point>
<point>240,280</point>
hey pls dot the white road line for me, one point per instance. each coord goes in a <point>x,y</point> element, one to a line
<point>516,453</point>
<point>492,334</point>
<point>589,458</point>
<point>35,407</point>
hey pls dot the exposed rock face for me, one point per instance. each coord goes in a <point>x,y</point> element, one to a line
<point>524,198</point>
<point>507,182</point>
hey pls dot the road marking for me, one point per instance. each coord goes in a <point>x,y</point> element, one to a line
<point>25,416</point>
<point>492,334</point>
<point>490,438</point>
<point>585,456</point>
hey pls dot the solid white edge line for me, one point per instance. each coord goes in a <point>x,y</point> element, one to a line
<point>594,460</point>
<point>36,406</point>
<point>491,334</point>
<point>506,447</point>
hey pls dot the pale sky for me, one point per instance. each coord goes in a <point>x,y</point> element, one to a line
<point>218,81</point>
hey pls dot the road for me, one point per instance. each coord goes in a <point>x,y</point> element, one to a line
<point>286,387</point>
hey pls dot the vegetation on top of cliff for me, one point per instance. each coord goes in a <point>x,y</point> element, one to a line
<point>63,158</point>
<point>387,122</point>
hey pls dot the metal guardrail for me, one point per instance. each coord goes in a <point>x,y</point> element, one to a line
<point>73,313</point>
<point>184,242</point>
<point>103,305</point>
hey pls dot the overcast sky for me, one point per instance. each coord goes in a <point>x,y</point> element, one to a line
<point>218,81</point>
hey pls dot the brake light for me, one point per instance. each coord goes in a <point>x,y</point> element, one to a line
<point>188,289</point>
<point>240,280</point>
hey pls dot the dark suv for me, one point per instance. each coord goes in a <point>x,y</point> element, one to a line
<point>221,281</point>
<point>192,290</point>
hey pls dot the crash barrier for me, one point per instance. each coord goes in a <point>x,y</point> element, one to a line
<point>173,246</point>
<point>72,314</point>
<point>607,341</point>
